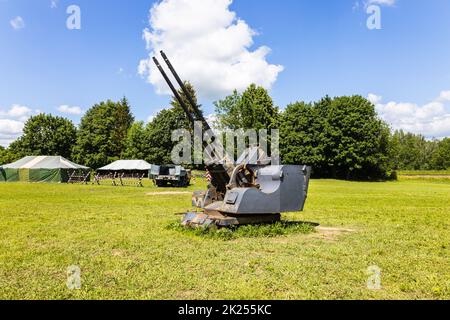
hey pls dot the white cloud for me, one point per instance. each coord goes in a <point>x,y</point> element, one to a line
<point>8,126</point>
<point>10,130</point>
<point>70,110</point>
<point>374,98</point>
<point>17,111</point>
<point>12,122</point>
<point>208,45</point>
<point>431,120</point>
<point>17,23</point>
<point>444,96</point>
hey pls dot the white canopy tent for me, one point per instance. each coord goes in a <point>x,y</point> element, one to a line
<point>127,165</point>
<point>124,172</point>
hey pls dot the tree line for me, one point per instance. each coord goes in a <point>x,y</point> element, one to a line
<point>340,137</point>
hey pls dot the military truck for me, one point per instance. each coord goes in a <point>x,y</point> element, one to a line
<point>170,175</point>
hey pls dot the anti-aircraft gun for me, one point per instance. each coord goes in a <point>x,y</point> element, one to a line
<point>248,191</point>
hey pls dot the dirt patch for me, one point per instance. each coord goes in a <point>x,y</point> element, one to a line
<point>118,253</point>
<point>331,234</point>
<point>167,193</point>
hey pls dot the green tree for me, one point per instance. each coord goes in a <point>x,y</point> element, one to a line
<point>2,155</point>
<point>411,151</point>
<point>340,137</point>
<point>45,134</point>
<point>159,131</point>
<point>301,135</point>
<point>253,109</point>
<point>181,120</point>
<point>159,136</point>
<point>227,111</point>
<point>441,157</point>
<point>101,137</point>
<point>13,153</point>
<point>123,119</point>
<point>136,142</point>
<point>359,147</point>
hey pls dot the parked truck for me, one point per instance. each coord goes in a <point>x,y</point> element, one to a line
<point>170,175</point>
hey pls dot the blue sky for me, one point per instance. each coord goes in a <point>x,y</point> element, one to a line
<point>321,46</point>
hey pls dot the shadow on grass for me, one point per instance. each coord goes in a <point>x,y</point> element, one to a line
<point>277,229</point>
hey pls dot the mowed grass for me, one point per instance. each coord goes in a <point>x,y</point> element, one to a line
<point>122,241</point>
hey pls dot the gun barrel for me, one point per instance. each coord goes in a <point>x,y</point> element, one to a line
<point>220,175</point>
<point>194,106</point>
<point>174,91</point>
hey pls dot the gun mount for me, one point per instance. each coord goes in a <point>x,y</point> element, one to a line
<point>245,192</point>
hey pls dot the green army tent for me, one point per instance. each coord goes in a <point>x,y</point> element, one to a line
<point>41,169</point>
<point>2,175</point>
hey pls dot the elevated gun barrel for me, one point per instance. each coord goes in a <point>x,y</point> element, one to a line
<point>229,164</point>
<point>174,91</point>
<point>197,112</point>
<point>219,174</point>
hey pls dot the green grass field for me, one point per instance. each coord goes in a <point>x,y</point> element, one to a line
<point>120,239</point>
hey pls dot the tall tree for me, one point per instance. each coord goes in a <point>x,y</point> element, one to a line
<point>301,135</point>
<point>228,112</point>
<point>180,117</point>
<point>159,131</point>
<point>45,134</point>
<point>14,152</point>
<point>136,142</point>
<point>253,109</point>
<point>441,157</point>
<point>101,137</point>
<point>340,138</point>
<point>123,119</point>
<point>159,136</point>
<point>411,151</point>
<point>358,139</point>
<point>2,155</point>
